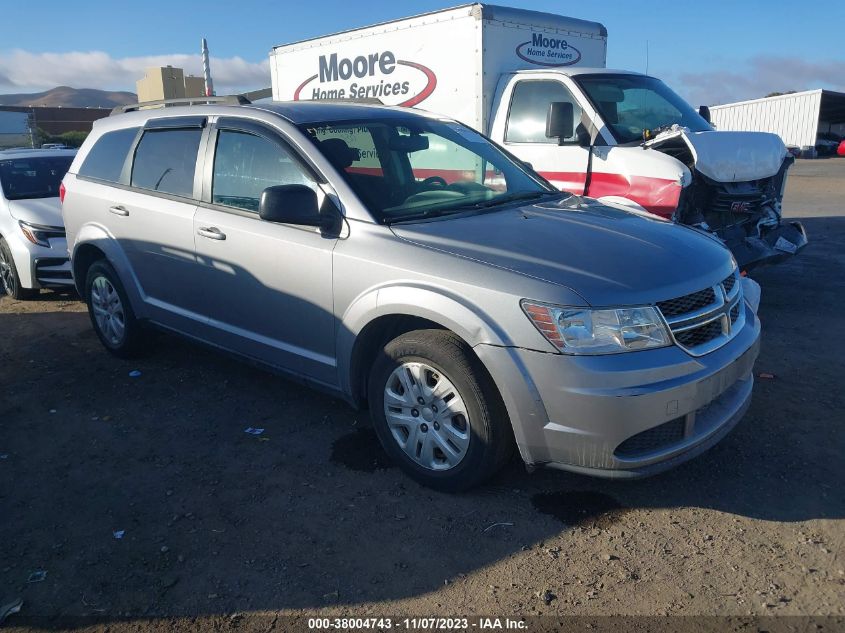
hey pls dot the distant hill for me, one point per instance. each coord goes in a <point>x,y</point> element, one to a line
<point>68,97</point>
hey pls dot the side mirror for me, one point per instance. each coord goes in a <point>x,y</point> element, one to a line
<point>292,204</point>
<point>704,113</point>
<point>560,121</point>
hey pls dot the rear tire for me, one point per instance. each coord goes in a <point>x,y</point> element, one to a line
<point>10,281</point>
<point>437,411</point>
<point>110,311</point>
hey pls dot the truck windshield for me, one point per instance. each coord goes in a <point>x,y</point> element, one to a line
<point>632,104</point>
<point>33,177</point>
<point>407,168</point>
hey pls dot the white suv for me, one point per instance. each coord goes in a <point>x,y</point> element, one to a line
<point>33,249</point>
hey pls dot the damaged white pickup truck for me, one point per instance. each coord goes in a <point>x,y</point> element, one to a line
<point>536,84</point>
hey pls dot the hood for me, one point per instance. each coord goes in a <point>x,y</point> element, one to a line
<point>728,156</point>
<point>607,255</point>
<point>43,211</point>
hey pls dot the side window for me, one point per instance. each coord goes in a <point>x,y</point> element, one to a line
<point>530,107</point>
<point>166,161</point>
<point>246,164</point>
<point>106,158</point>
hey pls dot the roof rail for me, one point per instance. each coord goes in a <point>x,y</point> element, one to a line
<point>163,103</point>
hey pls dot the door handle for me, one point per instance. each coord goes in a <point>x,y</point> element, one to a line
<point>211,232</point>
<point>119,210</point>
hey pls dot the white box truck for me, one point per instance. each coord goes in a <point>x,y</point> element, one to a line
<point>536,83</point>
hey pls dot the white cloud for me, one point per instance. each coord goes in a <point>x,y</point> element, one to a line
<point>23,71</point>
<point>758,77</point>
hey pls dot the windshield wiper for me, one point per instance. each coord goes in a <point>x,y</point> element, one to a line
<point>485,204</point>
<point>513,197</point>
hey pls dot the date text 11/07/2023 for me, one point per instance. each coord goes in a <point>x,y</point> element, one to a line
<point>417,624</point>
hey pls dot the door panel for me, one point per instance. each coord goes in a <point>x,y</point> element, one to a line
<point>266,288</point>
<point>154,221</point>
<point>158,238</point>
<point>520,124</point>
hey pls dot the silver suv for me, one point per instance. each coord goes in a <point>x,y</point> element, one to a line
<point>404,262</point>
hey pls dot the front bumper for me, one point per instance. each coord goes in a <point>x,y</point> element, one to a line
<point>775,246</point>
<point>39,266</point>
<point>624,415</point>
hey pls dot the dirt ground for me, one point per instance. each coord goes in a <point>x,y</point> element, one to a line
<point>309,518</point>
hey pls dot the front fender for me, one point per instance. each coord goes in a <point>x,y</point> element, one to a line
<point>98,236</point>
<point>468,321</point>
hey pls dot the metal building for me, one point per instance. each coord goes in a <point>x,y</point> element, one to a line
<point>798,118</point>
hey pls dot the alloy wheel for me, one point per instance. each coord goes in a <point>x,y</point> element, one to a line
<point>7,275</point>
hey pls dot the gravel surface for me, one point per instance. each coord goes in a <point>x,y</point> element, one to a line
<point>147,504</point>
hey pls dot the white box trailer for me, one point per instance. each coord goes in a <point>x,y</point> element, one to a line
<point>536,83</point>
<point>446,61</point>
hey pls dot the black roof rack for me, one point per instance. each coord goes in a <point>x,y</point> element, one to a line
<point>163,103</point>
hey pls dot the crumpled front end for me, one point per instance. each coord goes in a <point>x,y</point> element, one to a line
<point>736,192</point>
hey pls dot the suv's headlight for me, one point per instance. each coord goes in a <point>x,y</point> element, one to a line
<point>584,331</point>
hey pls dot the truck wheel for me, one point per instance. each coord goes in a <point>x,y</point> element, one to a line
<point>10,282</point>
<point>111,314</point>
<point>437,412</point>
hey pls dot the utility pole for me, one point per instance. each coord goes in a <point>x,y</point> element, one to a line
<point>206,70</point>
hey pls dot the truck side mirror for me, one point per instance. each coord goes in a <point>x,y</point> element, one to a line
<point>704,113</point>
<point>560,121</point>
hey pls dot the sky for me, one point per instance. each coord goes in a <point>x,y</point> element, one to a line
<point>710,52</point>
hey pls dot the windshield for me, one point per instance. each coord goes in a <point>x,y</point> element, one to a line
<point>33,177</point>
<point>632,104</point>
<point>412,168</point>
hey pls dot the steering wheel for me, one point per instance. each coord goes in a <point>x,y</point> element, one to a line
<point>434,180</point>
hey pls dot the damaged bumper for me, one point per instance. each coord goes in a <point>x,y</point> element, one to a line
<point>775,246</point>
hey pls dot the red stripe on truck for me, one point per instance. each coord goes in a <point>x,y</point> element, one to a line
<point>657,195</point>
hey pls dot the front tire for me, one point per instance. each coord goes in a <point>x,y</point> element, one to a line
<point>10,281</point>
<point>437,412</point>
<point>110,311</point>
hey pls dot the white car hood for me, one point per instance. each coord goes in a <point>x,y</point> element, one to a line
<point>730,156</point>
<point>43,211</point>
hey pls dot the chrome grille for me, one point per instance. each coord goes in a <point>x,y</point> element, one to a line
<point>705,320</point>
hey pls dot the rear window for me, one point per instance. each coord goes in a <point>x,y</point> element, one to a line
<point>106,158</point>
<point>166,161</point>
<point>33,177</point>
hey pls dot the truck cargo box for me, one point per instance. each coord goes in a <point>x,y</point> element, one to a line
<point>445,61</point>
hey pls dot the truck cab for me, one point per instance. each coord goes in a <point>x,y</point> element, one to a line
<point>626,138</point>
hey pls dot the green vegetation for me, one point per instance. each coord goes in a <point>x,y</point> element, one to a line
<point>71,139</point>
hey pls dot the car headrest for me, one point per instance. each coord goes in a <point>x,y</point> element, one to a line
<point>339,153</point>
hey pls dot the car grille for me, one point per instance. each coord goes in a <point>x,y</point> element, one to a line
<point>707,319</point>
<point>700,335</point>
<point>688,303</point>
<point>729,283</point>
<point>739,197</point>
